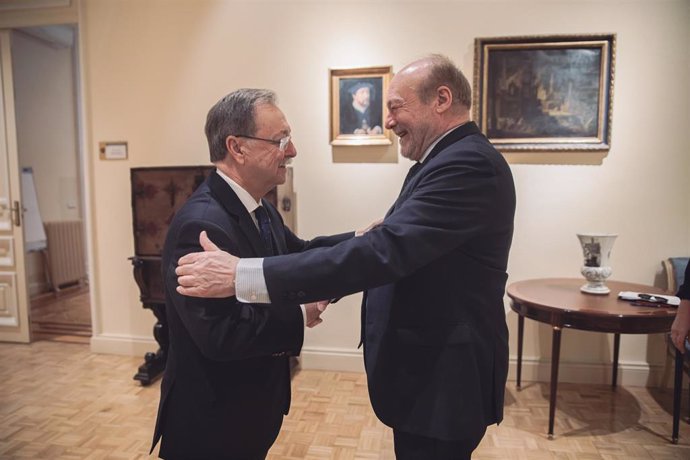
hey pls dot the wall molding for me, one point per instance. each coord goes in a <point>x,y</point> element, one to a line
<point>630,373</point>
<point>534,369</point>
<point>120,344</point>
<point>23,13</point>
<point>332,359</point>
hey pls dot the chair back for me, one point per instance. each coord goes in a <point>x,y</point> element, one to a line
<point>675,272</point>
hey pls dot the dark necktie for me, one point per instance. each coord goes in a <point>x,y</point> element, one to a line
<point>264,229</point>
<point>410,174</point>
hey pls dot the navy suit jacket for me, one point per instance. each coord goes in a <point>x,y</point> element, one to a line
<point>433,318</point>
<point>227,380</point>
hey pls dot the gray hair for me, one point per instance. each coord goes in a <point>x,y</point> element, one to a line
<point>442,72</point>
<point>234,115</point>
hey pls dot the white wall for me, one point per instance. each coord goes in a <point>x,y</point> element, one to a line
<point>46,123</point>
<point>152,70</point>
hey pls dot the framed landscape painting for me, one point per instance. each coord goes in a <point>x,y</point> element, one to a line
<point>545,93</point>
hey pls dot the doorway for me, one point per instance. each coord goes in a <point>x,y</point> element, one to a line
<point>45,74</point>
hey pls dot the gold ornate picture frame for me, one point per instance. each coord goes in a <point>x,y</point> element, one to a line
<point>358,110</point>
<point>544,93</point>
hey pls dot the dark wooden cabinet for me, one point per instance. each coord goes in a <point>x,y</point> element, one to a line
<point>157,194</point>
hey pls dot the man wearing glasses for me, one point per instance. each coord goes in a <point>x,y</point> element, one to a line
<point>227,378</point>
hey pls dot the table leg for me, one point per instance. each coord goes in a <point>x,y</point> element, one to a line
<point>677,388</point>
<point>616,349</point>
<point>521,330</point>
<point>555,357</point>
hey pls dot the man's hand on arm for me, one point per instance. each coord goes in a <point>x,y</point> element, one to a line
<point>207,274</point>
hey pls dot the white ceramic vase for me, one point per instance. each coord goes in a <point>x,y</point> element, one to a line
<point>596,249</point>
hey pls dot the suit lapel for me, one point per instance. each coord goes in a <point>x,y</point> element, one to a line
<point>450,139</point>
<point>232,204</point>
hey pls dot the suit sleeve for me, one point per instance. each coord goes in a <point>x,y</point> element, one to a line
<point>684,290</point>
<point>453,202</point>
<point>226,329</point>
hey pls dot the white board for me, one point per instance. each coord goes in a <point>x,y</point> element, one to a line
<point>34,233</point>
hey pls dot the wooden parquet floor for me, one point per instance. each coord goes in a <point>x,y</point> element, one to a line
<point>60,401</point>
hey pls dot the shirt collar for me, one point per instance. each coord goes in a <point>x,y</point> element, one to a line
<point>433,144</point>
<point>247,200</point>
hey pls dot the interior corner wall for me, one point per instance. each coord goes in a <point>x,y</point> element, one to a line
<point>152,70</point>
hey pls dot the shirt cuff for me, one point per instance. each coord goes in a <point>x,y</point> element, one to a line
<point>250,284</point>
<point>304,315</point>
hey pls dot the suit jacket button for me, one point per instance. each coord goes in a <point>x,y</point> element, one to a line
<point>301,294</point>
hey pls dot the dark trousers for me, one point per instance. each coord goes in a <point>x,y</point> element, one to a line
<point>179,446</point>
<point>415,447</point>
<point>260,457</point>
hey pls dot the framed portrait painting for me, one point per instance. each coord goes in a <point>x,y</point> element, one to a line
<point>545,93</point>
<point>358,111</point>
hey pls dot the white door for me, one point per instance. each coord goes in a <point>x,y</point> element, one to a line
<point>14,309</point>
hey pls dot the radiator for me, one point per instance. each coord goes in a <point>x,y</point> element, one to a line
<point>66,258</point>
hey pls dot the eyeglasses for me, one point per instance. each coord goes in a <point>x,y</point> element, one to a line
<point>281,143</point>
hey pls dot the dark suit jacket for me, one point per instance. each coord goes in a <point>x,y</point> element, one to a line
<point>227,381</point>
<point>433,320</point>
